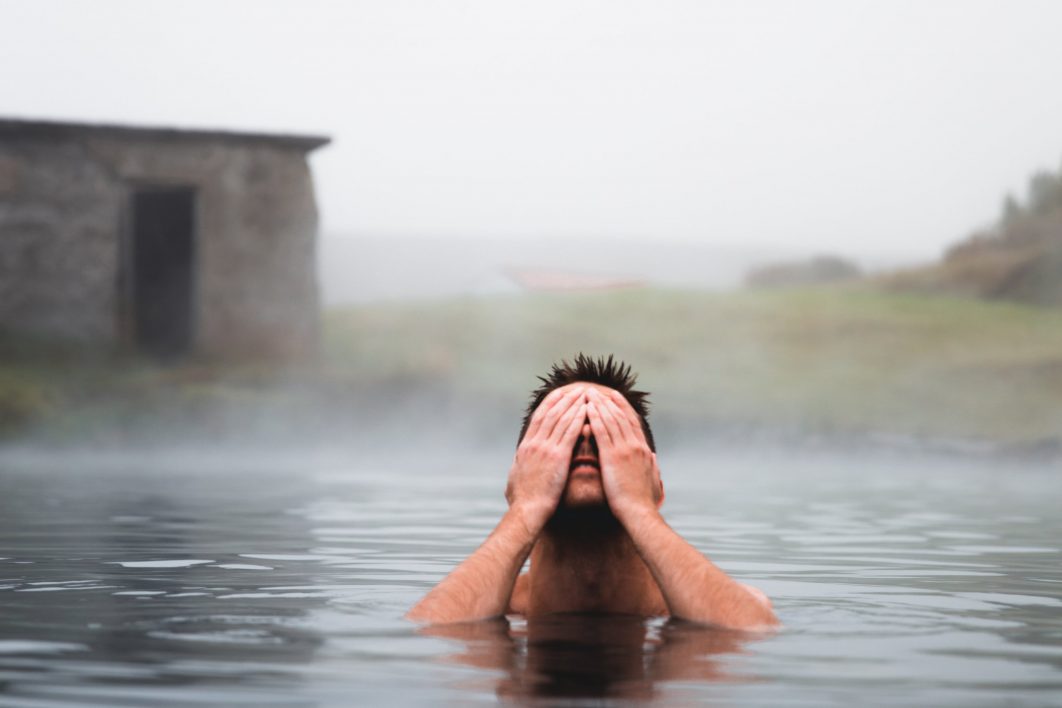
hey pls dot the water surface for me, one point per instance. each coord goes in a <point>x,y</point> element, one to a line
<point>280,579</point>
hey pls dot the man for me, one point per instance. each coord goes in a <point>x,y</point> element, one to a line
<point>584,495</point>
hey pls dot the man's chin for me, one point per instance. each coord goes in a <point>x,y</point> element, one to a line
<point>583,502</point>
<point>583,494</point>
<point>583,511</point>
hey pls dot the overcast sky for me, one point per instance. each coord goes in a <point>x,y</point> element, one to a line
<point>856,127</point>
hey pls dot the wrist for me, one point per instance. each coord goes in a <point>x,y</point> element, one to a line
<point>636,515</point>
<point>528,518</point>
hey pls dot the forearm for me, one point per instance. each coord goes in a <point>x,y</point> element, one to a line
<point>482,585</point>
<point>694,588</point>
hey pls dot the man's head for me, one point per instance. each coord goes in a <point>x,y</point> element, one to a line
<point>584,487</point>
<point>608,372</point>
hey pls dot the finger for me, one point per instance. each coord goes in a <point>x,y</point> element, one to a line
<point>623,424</point>
<point>571,432</point>
<point>659,482</point>
<point>598,427</point>
<point>549,422</point>
<point>630,415</point>
<point>561,428</point>
<point>548,404</point>
<point>605,408</point>
<point>540,412</point>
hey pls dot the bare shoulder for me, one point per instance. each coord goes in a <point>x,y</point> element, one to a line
<point>519,599</point>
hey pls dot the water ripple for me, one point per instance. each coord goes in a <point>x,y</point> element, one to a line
<point>287,587</point>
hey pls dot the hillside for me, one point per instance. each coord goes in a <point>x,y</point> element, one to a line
<point>817,360</point>
<point>1019,258</point>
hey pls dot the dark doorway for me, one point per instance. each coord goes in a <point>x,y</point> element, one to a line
<point>162,257</point>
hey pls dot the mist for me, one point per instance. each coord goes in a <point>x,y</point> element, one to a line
<point>871,130</point>
<point>507,187</point>
<point>277,281</point>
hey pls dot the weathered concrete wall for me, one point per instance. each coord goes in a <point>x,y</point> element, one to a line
<point>62,206</point>
<point>59,215</point>
<point>256,284</point>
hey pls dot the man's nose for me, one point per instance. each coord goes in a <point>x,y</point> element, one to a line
<point>585,445</point>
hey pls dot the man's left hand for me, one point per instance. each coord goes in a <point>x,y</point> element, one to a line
<point>629,472</point>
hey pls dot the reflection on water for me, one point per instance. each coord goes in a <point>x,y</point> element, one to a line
<point>121,577</point>
<point>281,579</point>
<point>588,656</point>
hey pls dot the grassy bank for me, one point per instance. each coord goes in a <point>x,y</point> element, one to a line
<point>814,361</point>
<point>64,392</point>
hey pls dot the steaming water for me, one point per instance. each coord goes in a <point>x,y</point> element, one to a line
<point>280,580</point>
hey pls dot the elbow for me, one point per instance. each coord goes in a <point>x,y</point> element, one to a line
<point>762,621</point>
<point>765,622</point>
<point>433,616</point>
<point>418,615</point>
<point>759,620</point>
<point>745,622</point>
<point>426,612</point>
<point>761,613</point>
<point>747,612</point>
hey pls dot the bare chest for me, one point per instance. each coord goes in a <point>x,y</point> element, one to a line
<point>545,595</point>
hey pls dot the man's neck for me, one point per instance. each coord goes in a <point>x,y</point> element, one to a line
<point>585,561</point>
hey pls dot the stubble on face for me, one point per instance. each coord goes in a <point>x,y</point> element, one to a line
<point>584,487</point>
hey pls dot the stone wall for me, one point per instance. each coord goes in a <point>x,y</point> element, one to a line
<point>59,214</point>
<point>62,207</point>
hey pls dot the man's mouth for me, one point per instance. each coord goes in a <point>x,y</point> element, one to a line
<point>585,461</point>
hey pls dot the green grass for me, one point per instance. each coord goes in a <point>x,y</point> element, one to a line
<point>70,392</point>
<point>816,360</point>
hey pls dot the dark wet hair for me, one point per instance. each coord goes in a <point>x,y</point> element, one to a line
<point>609,372</point>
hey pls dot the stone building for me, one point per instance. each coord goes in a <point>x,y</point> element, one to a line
<point>165,241</point>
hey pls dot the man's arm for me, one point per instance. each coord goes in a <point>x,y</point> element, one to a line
<point>693,587</point>
<point>481,586</point>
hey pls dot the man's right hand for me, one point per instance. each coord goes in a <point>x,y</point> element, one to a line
<point>482,586</point>
<point>540,468</point>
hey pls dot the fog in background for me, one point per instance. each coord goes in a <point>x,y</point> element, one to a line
<point>481,146</point>
<point>881,131</point>
<point>747,202</point>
